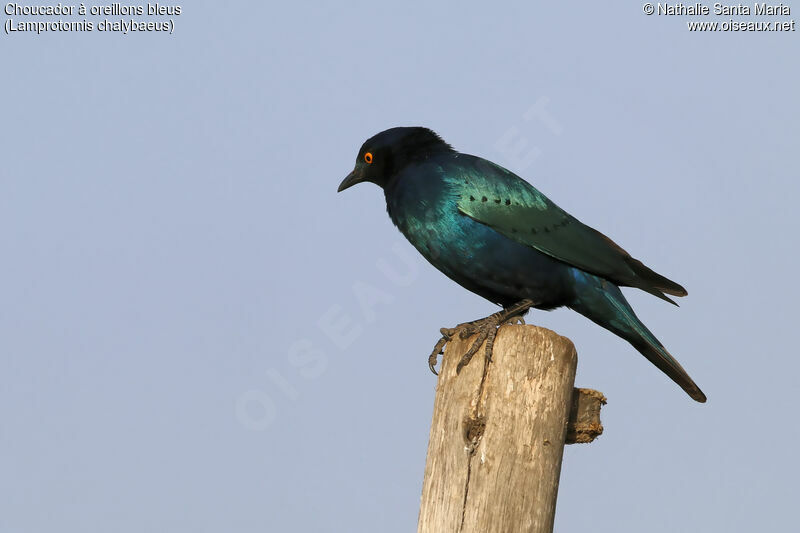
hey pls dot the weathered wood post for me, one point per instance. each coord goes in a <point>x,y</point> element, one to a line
<point>498,434</point>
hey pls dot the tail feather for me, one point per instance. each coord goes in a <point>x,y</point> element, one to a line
<point>660,357</point>
<point>604,304</point>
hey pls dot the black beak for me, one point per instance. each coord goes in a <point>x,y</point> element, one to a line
<point>349,181</point>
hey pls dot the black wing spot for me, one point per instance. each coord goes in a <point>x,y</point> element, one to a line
<point>533,230</point>
<point>546,229</point>
<point>497,200</point>
<point>471,198</point>
<point>508,202</point>
<point>484,199</point>
<point>561,224</point>
<point>513,230</point>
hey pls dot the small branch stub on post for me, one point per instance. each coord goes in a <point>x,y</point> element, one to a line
<point>498,434</point>
<point>584,416</point>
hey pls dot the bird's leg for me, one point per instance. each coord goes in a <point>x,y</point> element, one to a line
<point>485,328</point>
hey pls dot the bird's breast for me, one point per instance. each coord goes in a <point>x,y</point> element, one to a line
<point>472,254</point>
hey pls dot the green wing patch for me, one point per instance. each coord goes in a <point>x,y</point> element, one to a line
<point>514,208</point>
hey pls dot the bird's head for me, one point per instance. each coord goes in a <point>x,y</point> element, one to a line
<point>383,155</point>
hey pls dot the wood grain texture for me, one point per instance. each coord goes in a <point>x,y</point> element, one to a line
<point>498,433</point>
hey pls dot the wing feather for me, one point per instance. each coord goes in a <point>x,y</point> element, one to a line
<point>511,206</point>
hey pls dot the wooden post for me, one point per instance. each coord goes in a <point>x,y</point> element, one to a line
<point>498,434</point>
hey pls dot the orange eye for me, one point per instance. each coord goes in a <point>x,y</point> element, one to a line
<point>368,157</point>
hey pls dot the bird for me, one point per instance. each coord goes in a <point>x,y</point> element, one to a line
<point>497,236</point>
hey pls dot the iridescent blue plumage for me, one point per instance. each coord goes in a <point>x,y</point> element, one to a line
<point>497,236</point>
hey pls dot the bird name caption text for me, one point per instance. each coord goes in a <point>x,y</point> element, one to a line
<point>719,9</point>
<point>110,18</point>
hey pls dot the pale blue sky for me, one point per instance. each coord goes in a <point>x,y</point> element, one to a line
<point>173,248</point>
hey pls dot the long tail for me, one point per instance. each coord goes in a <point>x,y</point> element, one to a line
<point>603,303</point>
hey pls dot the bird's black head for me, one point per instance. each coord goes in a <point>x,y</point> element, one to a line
<point>382,156</point>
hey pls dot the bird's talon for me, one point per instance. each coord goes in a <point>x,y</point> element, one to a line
<point>485,329</point>
<point>433,358</point>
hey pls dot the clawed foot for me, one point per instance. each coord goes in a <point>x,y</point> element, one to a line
<point>485,329</point>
